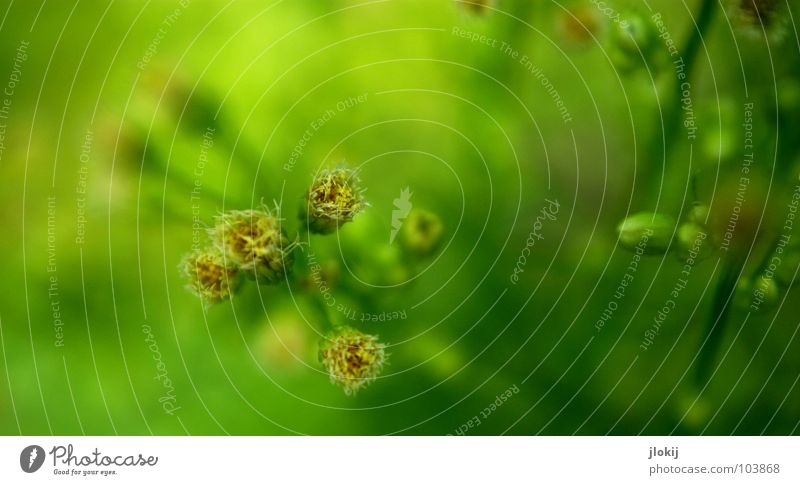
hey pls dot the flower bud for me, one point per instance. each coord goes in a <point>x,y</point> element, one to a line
<point>353,359</point>
<point>255,241</point>
<point>757,295</point>
<point>421,232</point>
<point>693,242</point>
<point>333,199</point>
<point>697,408</point>
<point>698,213</point>
<point>766,292</point>
<point>788,96</point>
<point>631,41</point>
<point>719,141</point>
<point>652,232</point>
<point>787,273</point>
<point>209,276</point>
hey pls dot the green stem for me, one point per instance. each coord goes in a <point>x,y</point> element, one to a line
<point>718,319</point>
<point>674,107</point>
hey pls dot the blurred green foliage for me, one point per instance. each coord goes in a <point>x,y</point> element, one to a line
<point>120,95</point>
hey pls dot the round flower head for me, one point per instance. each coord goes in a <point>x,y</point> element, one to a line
<point>353,359</point>
<point>209,277</point>
<point>333,199</point>
<point>255,241</point>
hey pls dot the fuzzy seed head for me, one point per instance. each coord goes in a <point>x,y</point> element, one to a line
<point>209,276</point>
<point>353,359</point>
<point>255,241</point>
<point>334,198</point>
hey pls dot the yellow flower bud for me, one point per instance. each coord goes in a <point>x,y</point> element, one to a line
<point>333,199</point>
<point>209,276</point>
<point>255,241</point>
<point>353,359</point>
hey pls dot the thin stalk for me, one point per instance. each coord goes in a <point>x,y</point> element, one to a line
<point>674,106</point>
<point>717,320</point>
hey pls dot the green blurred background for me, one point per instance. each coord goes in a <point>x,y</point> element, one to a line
<point>120,94</point>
